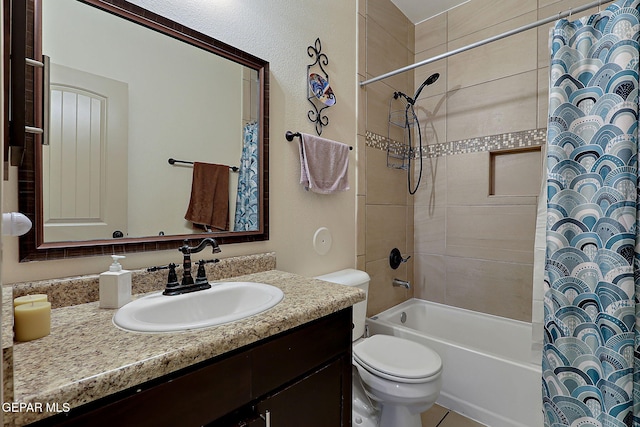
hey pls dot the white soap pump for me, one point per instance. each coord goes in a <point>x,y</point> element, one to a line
<point>115,285</point>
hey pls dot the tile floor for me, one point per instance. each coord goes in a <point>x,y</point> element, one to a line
<point>438,416</point>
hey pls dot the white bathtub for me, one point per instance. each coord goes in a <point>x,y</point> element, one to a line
<point>487,371</point>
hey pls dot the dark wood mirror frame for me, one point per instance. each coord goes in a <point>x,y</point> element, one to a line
<point>25,83</point>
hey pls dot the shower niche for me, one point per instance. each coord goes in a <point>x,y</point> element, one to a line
<point>516,172</point>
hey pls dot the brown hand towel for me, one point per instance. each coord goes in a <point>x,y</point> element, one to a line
<point>209,204</point>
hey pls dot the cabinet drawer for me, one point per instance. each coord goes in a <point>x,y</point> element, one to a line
<point>295,353</point>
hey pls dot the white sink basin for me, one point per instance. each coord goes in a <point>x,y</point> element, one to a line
<point>224,302</point>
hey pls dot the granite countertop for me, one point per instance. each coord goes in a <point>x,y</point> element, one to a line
<point>7,317</point>
<point>86,357</point>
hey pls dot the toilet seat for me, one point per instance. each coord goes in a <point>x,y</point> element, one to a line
<point>397,359</point>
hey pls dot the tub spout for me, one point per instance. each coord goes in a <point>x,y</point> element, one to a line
<point>402,283</point>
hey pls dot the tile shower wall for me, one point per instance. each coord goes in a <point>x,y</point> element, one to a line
<point>385,210</point>
<point>471,238</point>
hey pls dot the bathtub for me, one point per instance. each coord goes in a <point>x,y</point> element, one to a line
<point>487,372</point>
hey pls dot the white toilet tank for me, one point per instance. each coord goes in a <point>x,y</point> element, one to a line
<point>359,279</point>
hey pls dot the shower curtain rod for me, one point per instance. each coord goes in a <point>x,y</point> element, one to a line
<point>560,15</point>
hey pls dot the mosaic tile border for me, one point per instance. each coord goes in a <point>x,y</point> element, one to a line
<point>381,142</point>
<point>505,141</point>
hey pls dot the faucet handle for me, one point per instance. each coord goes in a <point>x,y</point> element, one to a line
<point>172,281</point>
<point>157,268</point>
<point>201,276</point>
<point>395,258</point>
<point>172,277</point>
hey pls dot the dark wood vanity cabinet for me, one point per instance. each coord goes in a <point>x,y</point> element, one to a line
<point>314,401</point>
<point>301,377</point>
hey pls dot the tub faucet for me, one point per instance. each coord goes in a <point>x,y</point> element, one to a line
<point>402,283</point>
<point>188,284</point>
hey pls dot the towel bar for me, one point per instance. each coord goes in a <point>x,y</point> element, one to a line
<point>173,161</point>
<point>290,135</point>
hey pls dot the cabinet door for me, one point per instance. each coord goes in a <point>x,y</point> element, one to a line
<point>189,399</point>
<point>314,401</point>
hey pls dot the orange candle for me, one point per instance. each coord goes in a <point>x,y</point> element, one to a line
<point>32,320</point>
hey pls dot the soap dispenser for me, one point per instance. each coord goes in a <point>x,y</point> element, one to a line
<point>115,285</point>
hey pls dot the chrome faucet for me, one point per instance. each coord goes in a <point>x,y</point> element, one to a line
<point>188,284</point>
<point>402,283</point>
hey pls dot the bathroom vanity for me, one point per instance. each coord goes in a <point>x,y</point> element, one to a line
<point>290,365</point>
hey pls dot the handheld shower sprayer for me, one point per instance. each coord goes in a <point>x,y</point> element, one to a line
<point>428,82</point>
<point>411,117</point>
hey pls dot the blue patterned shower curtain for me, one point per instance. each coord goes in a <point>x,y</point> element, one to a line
<point>591,358</point>
<point>246,218</point>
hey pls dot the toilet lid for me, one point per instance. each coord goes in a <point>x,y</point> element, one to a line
<point>397,357</point>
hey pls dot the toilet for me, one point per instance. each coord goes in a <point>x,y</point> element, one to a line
<point>394,379</point>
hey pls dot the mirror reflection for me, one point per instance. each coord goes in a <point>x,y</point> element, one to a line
<point>125,100</point>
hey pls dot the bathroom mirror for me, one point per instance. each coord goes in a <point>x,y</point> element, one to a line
<point>130,90</point>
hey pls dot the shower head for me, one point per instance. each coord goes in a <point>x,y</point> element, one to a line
<point>432,78</point>
<point>429,81</point>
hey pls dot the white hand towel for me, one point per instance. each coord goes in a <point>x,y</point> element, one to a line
<point>324,164</point>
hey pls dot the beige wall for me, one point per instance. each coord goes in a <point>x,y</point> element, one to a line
<point>279,32</point>
<point>385,211</point>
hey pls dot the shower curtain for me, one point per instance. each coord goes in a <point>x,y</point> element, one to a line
<point>591,359</point>
<point>246,218</point>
